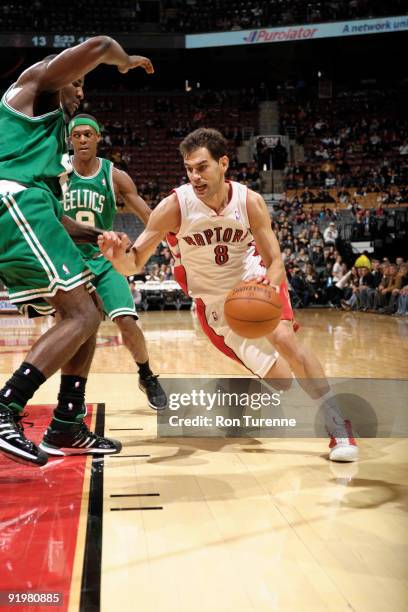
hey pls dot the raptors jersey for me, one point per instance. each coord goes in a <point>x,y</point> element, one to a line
<point>213,251</point>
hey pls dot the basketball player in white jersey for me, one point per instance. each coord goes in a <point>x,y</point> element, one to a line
<point>212,226</point>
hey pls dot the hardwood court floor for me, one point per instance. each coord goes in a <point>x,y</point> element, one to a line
<point>245,524</point>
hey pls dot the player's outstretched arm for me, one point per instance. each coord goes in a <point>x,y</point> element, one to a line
<point>126,189</point>
<point>165,218</point>
<point>265,239</point>
<point>77,61</point>
<point>81,233</point>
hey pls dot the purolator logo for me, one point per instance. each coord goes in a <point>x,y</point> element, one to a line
<point>300,33</point>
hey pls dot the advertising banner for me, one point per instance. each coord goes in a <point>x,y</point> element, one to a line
<point>310,31</point>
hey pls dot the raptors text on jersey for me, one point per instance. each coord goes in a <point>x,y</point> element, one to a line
<point>215,250</point>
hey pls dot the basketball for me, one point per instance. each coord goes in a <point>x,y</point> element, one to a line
<point>252,310</point>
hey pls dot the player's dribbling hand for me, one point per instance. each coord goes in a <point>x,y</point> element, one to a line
<point>137,61</point>
<point>262,280</point>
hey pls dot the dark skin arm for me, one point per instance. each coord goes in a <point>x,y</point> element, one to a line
<point>126,189</point>
<point>80,232</point>
<point>38,88</point>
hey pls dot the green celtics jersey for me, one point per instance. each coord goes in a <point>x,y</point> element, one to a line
<point>31,148</point>
<point>91,200</point>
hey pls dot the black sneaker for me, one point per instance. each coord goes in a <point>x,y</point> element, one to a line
<point>13,441</point>
<point>77,439</point>
<point>156,397</point>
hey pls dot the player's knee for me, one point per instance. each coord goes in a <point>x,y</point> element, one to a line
<point>279,376</point>
<point>86,315</point>
<point>125,323</point>
<point>284,342</point>
<point>289,347</point>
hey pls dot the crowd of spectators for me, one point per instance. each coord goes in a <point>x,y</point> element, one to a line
<point>91,17</point>
<point>183,16</point>
<point>321,269</point>
<point>318,265</point>
<point>358,140</point>
<point>319,274</point>
<point>141,134</point>
<point>381,288</point>
<point>213,15</point>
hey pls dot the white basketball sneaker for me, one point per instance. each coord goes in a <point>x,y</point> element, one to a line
<point>343,449</point>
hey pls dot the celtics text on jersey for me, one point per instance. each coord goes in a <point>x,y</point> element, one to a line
<point>91,200</point>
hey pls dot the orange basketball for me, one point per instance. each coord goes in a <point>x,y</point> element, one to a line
<point>252,310</point>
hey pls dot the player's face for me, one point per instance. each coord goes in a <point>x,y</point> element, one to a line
<point>206,175</point>
<point>72,96</point>
<point>84,140</point>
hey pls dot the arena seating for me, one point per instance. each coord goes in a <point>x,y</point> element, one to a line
<point>357,140</point>
<point>194,16</point>
<point>363,206</point>
<point>182,15</point>
<point>145,131</point>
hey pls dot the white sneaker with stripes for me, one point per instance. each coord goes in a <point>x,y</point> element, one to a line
<point>13,441</point>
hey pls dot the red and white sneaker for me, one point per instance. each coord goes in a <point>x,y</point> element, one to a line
<point>343,449</point>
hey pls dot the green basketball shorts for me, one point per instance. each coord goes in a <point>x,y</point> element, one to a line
<point>112,288</point>
<point>37,256</point>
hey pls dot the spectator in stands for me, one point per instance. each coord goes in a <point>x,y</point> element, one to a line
<point>262,154</point>
<point>343,196</point>
<point>279,156</point>
<point>323,196</point>
<point>165,256</point>
<point>243,175</point>
<point>363,261</point>
<point>390,281</point>
<point>337,270</point>
<point>153,273</point>
<point>366,288</point>
<point>330,234</point>
<point>299,287</point>
<point>351,291</point>
<point>401,280</point>
<point>377,272</point>
<point>403,302</point>
<point>403,149</point>
<point>316,239</point>
<point>165,272</point>
<point>307,197</point>
<point>313,285</point>
<point>302,258</point>
<point>316,257</point>
<point>329,280</point>
<point>136,294</point>
<point>287,256</point>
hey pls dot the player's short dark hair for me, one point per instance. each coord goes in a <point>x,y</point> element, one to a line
<point>209,138</point>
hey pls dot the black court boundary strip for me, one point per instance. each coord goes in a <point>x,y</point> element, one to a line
<point>126,429</point>
<point>135,495</point>
<point>127,456</point>
<point>137,508</point>
<point>92,567</point>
